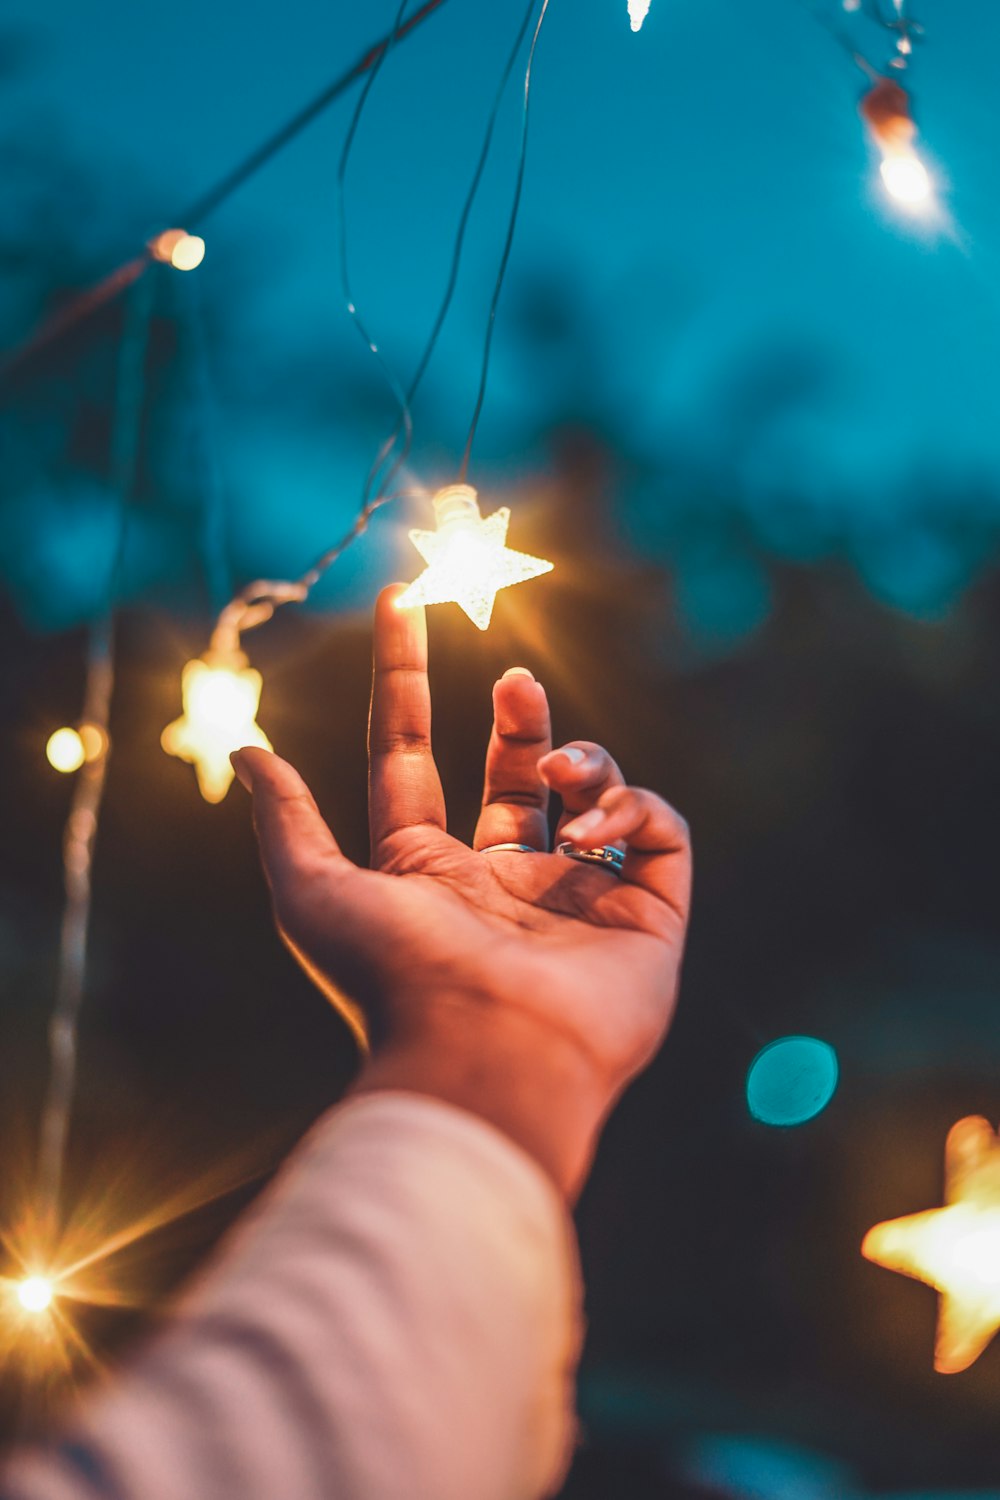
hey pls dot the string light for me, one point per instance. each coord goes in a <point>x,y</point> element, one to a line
<point>221,695</point>
<point>64,750</point>
<point>177,248</point>
<point>68,749</point>
<point>638,10</point>
<point>35,1294</point>
<point>955,1249</point>
<point>468,560</point>
<point>886,111</point>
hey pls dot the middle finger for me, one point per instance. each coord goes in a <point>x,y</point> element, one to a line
<point>515,798</point>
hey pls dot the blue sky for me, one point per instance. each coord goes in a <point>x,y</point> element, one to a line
<point>704,187</point>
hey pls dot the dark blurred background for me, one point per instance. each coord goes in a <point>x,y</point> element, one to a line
<point>749,412</point>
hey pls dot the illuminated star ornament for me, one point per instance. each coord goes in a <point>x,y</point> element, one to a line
<point>955,1249</point>
<point>221,694</point>
<point>638,10</point>
<point>468,560</point>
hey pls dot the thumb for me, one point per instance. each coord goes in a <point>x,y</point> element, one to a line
<point>296,846</point>
<point>291,833</point>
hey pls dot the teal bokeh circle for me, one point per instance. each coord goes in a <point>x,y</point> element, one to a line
<point>792,1080</point>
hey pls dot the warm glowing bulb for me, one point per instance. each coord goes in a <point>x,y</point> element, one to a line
<point>955,1249</point>
<point>906,179</point>
<point>221,695</point>
<point>177,248</point>
<point>468,560</point>
<point>35,1294</point>
<point>65,750</point>
<point>638,10</point>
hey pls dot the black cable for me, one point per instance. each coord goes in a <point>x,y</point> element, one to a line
<point>459,242</point>
<point>370,60</point>
<point>392,380</point>
<point>80,307</point>
<point>508,244</point>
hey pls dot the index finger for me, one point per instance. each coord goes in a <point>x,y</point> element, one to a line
<point>404,789</point>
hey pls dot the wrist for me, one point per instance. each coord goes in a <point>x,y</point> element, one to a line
<point>533,1085</point>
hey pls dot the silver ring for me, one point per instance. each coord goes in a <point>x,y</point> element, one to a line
<point>509,849</point>
<point>606,855</point>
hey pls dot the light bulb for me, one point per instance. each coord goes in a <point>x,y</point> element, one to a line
<point>220,693</point>
<point>885,109</point>
<point>468,560</point>
<point>638,10</point>
<point>177,248</point>
<point>35,1294</point>
<point>65,750</point>
<point>955,1249</point>
<point>907,179</point>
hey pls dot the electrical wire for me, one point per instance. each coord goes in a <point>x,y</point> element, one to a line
<point>508,245</point>
<point>194,216</point>
<point>392,380</point>
<point>88,793</point>
<point>256,603</point>
<point>452,282</point>
<point>843,39</point>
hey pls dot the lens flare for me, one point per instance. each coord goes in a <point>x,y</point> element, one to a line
<point>35,1294</point>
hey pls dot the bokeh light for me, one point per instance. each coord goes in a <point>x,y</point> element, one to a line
<point>94,741</point>
<point>791,1080</point>
<point>177,248</point>
<point>65,750</point>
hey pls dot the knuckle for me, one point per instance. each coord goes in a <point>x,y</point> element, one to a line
<point>530,797</point>
<point>400,742</point>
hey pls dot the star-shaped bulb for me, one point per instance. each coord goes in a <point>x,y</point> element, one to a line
<point>468,560</point>
<point>638,10</point>
<point>955,1249</point>
<point>220,693</point>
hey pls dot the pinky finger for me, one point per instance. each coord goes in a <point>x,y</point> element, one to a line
<point>657,840</point>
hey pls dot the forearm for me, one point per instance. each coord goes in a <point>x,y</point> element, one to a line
<point>400,1319</point>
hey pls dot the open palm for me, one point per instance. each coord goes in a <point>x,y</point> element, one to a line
<point>438,934</point>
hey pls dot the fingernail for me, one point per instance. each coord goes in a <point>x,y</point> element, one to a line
<point>585,826</point>
<point>573,753</point>
<point>243,772</point>
<point>519,672</point>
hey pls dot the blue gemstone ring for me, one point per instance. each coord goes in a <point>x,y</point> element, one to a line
<point>606,856</point>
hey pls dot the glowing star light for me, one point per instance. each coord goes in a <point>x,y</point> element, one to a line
<point>638,10</point>
<point>221,694</point>
<point>886,111</point>
<point>468,560</point>
<point>955,1249</point>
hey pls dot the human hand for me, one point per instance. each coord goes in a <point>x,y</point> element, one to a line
<point>527,987</point>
